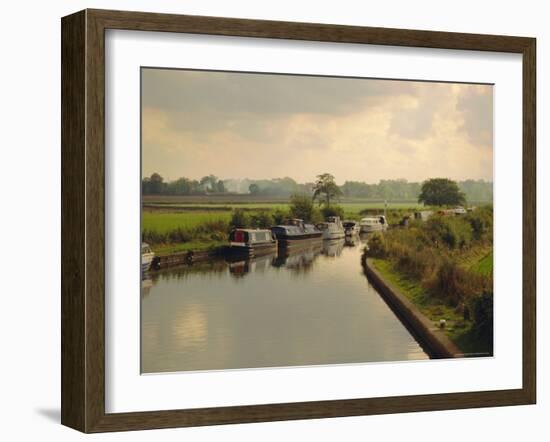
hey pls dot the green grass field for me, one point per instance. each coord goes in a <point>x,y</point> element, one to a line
<point>485,265</point>
<point>163,222</point>
<point>175,223</point>
<point>352,207</point>
<point>169,217</point>
<point>163,214</point>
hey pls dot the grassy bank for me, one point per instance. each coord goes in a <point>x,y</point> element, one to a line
<point>173,224</point>
<point>444,266</point>
<point>457,329</point>
<point>164,222</point>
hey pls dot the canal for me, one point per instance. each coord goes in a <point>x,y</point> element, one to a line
<point>312,306</point>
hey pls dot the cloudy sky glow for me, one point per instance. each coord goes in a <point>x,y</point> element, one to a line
<point>237,125</point>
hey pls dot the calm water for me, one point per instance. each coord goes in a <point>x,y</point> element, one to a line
<point>311,307</point>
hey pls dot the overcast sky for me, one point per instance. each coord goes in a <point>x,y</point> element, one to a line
<point>236,125</point>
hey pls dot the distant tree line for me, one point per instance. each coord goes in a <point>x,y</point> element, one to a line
<point>155,185</point>
<point>275,187</point>
<point>392,190</point>
<point>474,190</point>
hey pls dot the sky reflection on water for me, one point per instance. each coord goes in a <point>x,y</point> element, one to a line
<point>310,307</point>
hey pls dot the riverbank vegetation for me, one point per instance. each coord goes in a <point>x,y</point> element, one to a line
<point>171,226</point>
<point>444,266</point>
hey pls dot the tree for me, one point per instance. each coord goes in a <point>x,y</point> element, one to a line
<point>220,187</point>
<point>254,189</point>
<point>209,183</point>
<point>155,184</point>
<point>302,207</point>
<point>441,192</point>
<point>334,210</point>
<point>326,188</point>
<point>239,218</point>
<point>182,186</point>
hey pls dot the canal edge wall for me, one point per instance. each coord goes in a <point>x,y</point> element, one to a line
<point>191,257</point>
<point>177,259</point>
<point>435,341</point>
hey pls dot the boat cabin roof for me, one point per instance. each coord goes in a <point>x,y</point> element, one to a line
<point>253,230</point>
<point>375,219</point>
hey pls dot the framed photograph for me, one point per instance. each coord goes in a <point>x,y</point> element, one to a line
<point>270,220</point>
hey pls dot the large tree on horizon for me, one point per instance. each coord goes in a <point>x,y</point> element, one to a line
<point>441,192</point>
<point>325,189</point>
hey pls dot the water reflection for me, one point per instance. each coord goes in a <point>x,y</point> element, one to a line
<point>333,248</point>
<point>239,268</point>
<point>146,284</point>
<point>356,240</point>
<point>300,306</point>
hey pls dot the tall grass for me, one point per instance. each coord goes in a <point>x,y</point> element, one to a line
<point>162,222</point>
<point>432,253</point>
<point>161,229</point>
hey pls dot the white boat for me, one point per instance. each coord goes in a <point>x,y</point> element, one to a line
<point>373,224</point>
<point>423,215</point>
<point>459,210</point>
<point>332,228</point>
<point>147,256</point>
<point>351,228</point>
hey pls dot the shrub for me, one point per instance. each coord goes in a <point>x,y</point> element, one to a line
<point>302,207</point>
<point>481,310</point>
<point>481,221</point>
<point>377,246</point>
<point>420,265</point>
<point>333,210</point>
<point>449,283</point>
<point>451,232</point>
<point>239,218</point>
<point>261,219</point>
<point>179,235</point>
<point>279,216</point>
<point>211,226</point>
<point>153,237</point>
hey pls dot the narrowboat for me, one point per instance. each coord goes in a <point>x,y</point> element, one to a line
<point>332,228</point>
<point>295,230</point>
<point>373,224</point>
<point>351,228</point>
<point>252,241</point>
<point>147,256</point>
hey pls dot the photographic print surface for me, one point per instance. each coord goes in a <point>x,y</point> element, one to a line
<point>288,219</point>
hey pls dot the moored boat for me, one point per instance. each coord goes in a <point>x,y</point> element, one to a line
<point>373,224</point>
<point>351,227</point>
<point>332,228</point>
<point>147,256</point>
<point>252,241</point>
<point>295,230</point>
<point>423,215</point>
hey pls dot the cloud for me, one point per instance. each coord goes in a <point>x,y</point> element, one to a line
<point>266,126</point>
<point>266,94</point>
<point>476,105</point>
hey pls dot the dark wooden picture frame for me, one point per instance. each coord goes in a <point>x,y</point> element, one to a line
<point>83,220</point>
